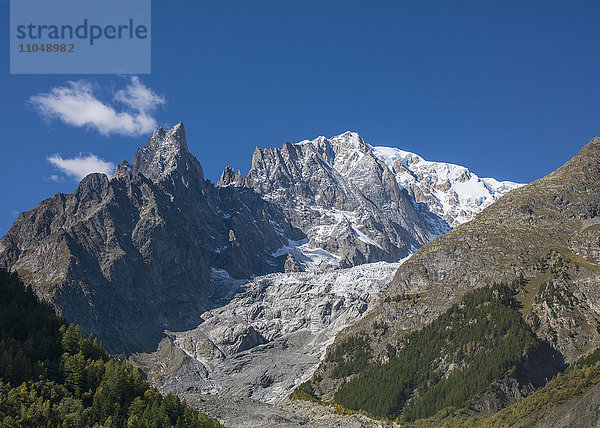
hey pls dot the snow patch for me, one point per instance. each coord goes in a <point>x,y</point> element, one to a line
<point>311,258</point>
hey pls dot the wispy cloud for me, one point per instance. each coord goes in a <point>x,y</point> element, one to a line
<point>80,166</point>
<point>138,97</point>
<point>77,104</point>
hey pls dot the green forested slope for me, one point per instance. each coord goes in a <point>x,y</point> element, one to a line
<point>474,344</point>
<point>567,388</point>
<point>52,375</point>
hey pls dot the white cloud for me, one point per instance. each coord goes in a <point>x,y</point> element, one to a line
<point>138,97</point>
<point>80,166</point>
<point>77,105</point>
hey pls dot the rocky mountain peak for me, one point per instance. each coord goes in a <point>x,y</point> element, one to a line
<point>95,185</point>
<point>173,139</point>
<point>127,256</point>
<point>346,147</point>
<point>587,158</point>
<point>592,145</point>
<point>358,202</point>
<point>350,139</point>
<point>165,152</point>
<point>229,177</point>
<point>123,170</point>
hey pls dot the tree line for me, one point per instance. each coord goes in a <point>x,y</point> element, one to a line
<point>53,375</point>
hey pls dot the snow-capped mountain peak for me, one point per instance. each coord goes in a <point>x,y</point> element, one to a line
<point>349,138</point>
<point>358,203</point>
<point>450,191</point>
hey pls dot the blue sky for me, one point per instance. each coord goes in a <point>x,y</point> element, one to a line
<point>508,89</point>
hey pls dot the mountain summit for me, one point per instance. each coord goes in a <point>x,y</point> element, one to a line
<point>361,203</point>
<point>165,153</point>
<point>450,191</point>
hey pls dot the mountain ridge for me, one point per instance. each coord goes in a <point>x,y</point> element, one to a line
<point>156,258</point>
<point>137,249</point>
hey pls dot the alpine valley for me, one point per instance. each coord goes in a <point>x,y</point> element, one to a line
<point>336,284</point>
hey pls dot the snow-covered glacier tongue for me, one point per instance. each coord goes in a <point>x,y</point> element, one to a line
<point>270,336</point>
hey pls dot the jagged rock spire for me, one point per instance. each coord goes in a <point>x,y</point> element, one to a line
<point>123,170</point>
<point>165,152</point>
<point>229,177</point>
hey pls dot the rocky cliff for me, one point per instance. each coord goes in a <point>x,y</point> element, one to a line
<point>127,256</point>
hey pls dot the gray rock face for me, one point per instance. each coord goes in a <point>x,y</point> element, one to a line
<point>229,177</point>
<point>358,203</point>
<point>343,197</point>
<point>128,256</point>
<point>291,265</point>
